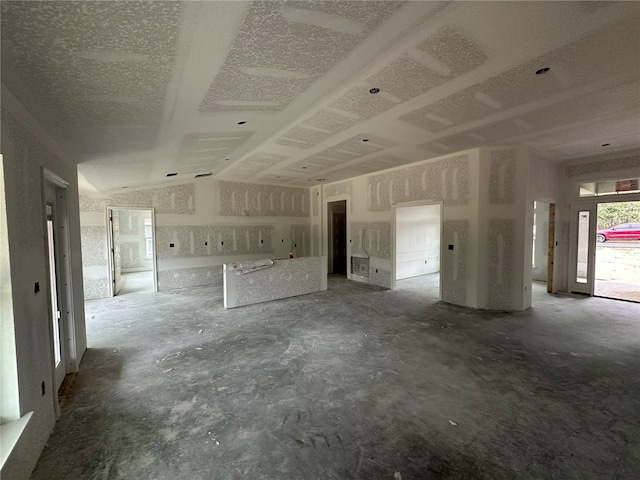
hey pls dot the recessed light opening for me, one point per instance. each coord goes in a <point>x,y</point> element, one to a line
<point>241,122</point>
<point>227,159</point>
<point>606,144</point>
<point>172,174</point>
<point>365,139</point>
<point>321,180</point>
<point>542,71</point>
<point>304,168</point>
<point>374,90</point>
<point>203,175</point>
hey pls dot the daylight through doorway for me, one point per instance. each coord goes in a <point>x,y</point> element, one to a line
<point>617,265</point>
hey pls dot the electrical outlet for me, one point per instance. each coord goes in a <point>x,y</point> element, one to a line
<point>171,245</point>
<point>206,243</point>
<point>44,390</point>
<point>36,287</point>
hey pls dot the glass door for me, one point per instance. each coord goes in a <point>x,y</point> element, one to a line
<point>57,323</point>
<point>583,248</point>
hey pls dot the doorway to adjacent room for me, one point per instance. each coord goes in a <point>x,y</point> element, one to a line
<point>416,262</point>
<point>132,255</point>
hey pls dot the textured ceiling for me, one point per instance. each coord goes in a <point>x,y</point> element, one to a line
<point>137,90</point>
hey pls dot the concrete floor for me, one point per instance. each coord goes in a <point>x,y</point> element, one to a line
<point>352,383</point>
<point>136,282</point>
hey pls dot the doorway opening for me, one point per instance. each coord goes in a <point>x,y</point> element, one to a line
<point>55,299</point>
<point>337,242</point>
<point>543,244</point>
<point>132,256</point>
<point>418,239</point>
<point>617,262</point>
<point>59,279</point>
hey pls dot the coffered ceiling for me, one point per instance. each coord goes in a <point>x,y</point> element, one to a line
<point>280,92</point>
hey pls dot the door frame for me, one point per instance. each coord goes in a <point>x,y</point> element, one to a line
<point>589,203</point>
<point>394,239</point>
<point>575,286</point>
<point>331,232</point>
<point>55,284</point>
<point>110,247</point>
<point>327,222</point>
<point>63,275</point>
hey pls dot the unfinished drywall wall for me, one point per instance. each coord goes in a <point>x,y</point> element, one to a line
<point>485,194</point>
<point>204,224</point>
<point>133,241</point>
<point>417,240</point>
<point>370,199</point>
<point>95,261</point>
<point>26,148</point>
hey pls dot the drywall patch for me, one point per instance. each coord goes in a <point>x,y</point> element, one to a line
<point>173,199</point>
<point>502,176</point>
<point>247,199</point>
<point>189,277</point>
<point>453,50</point>
<point>129,222</point>
<point>99,80</point>
<point>93,204</point>
<point>176,241</point>
<point>95,288</point>
<point>454,262</point>
<point>315,201</point>
<point>371,239</point>
<point>380,277</point>
<point>316,240</point>
<point>300,137</point>
<point>501,258</point>
<point>446,180</point>
<point>94,250</point>
<point>209,148</point>
<point>301,240</point>
<point>284,36</point>
<point>632,161</point>
<point>130,256</point>
<point>341,188</point>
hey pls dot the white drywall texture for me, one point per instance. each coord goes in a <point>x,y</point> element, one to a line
<point>487,222</point>
<point>417,240</point>
<point>288,277</point>
<point>26,148</point>
<point>370,199</point>
<point>133,249</point>
<point>201,225</point>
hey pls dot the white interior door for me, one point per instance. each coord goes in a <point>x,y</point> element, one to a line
<point>57,320</point>
<point>583,248</point>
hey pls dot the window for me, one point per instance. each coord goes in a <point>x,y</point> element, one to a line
<point>148,237</point>
<point>609,187</point>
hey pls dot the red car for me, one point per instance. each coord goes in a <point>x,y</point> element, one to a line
<point>624,231</point>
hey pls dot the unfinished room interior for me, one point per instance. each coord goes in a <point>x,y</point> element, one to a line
<point>319,240</point>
